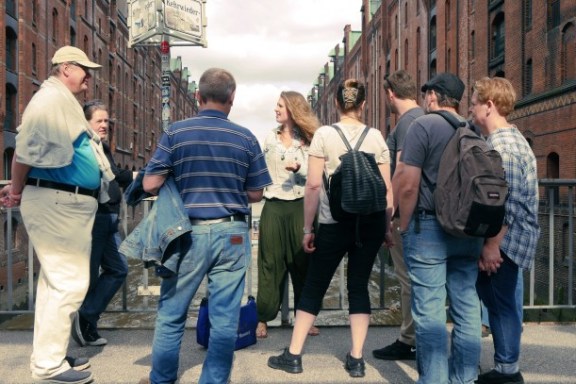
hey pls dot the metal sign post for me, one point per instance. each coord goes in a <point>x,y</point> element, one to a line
<point>165,56</point>
<point>167,23</point>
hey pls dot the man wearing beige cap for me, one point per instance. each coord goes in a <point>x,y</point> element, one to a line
<point>57,171</point>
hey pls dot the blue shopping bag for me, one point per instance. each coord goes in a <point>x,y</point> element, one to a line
<point>246,326</point>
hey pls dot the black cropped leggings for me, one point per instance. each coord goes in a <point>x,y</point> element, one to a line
<point>333,241</point>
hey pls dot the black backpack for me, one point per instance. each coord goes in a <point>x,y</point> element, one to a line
<point>356,188</point>
<point>471,188</point>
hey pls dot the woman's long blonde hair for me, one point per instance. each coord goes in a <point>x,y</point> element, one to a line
<point>305,121</point>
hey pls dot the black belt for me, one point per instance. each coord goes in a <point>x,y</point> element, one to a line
<point>62,187</point>
<point>236,217</point>
<point>425,212</point>
<point>277,199</point>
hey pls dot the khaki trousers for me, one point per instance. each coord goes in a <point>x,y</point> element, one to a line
<point>407,331</point>
<point>59,225</point>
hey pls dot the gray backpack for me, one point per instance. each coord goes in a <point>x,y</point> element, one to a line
<point>471,188</point>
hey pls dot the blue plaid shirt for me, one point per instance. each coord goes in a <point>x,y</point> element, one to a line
<point>519,162</point>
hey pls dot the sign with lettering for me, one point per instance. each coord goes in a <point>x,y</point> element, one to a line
<point>179,22</point>
<point>184,16</point>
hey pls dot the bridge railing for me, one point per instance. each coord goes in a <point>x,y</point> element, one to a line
<point>548,285</point>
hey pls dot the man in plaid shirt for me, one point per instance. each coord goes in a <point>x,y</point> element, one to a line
<point>515,246</point>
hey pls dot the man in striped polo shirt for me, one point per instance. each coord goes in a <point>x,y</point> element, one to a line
<point>219,169</point>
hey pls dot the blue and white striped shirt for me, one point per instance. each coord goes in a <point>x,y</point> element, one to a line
<point>519,162</point>
<point>214,163</point>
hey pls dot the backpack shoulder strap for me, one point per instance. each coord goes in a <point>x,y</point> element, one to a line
<point>337,128</point>
<point>361,139</point>
<point>450,118</point>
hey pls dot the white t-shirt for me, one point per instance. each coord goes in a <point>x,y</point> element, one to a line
<point>328,144</point>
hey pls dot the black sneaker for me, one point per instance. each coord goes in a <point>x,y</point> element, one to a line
<point>77,331</point>
<point>495,377</point>
<point>355,367</point>
<point>78,363</point>
<point>68,377</point>
<point>93,338</point>
<point>396,351</point>
<point>286,362</point>
<point>85,334</point>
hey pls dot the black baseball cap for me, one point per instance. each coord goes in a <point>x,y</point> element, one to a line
<point>446,84</point>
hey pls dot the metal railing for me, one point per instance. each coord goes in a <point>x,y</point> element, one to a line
<point>550,283</point>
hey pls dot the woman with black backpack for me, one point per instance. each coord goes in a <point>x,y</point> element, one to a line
<point>335,239</point>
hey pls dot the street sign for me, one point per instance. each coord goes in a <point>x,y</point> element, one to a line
<point>178,22</point>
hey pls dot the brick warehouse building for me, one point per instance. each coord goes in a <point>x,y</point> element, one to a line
<point>532,43</point>
<point>129,81</point>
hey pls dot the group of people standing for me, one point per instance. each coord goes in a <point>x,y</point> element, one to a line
<point>68,189</point>
<point>434,268</point>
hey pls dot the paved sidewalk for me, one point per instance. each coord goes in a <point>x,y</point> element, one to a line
<point>548,356</point>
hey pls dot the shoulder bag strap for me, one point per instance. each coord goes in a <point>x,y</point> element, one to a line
<point>450,118</point>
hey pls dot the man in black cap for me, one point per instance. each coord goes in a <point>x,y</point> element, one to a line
<point>440,265</point>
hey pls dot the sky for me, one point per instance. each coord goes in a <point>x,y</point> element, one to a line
<point>269,47</point>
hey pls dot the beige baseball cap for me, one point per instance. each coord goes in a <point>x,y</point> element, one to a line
<point>69,54</point>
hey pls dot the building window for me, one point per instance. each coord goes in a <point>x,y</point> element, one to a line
<point>73,37</point>
<point>405,14</point>
<point>34,12</point>
<point>433,34</point>
<point>11,115</point>
<point>34,60</point>
<point>433,69</point>
<point>447,15</point>
<point>528,77</point>
<point>396,27</point>
<point>85,45</point>
<point>11,8</point>
<point>553,13</point>
<point>553,172</point>
<point>473,45</point>
<point>568,65</point>
<point>73,9</point>
<point>498,37</point>
<point>11,49</point>
<point>527,14</point>
<point>54,25</point>
<point>396,59</point>
<point>8,156</point>
<point>448,55</point>
<point>406,56</point>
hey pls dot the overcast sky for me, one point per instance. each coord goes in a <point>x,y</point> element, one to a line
<point>269,46</point>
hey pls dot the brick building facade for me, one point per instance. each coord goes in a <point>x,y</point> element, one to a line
<point>129,81</point>
<point>531,43</point>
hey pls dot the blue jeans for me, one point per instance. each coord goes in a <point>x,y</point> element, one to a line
<point>519,300</point>
<point>222,253</point>
<point>104,255</point>
<point>499,294</point>
<point>439,265</point>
